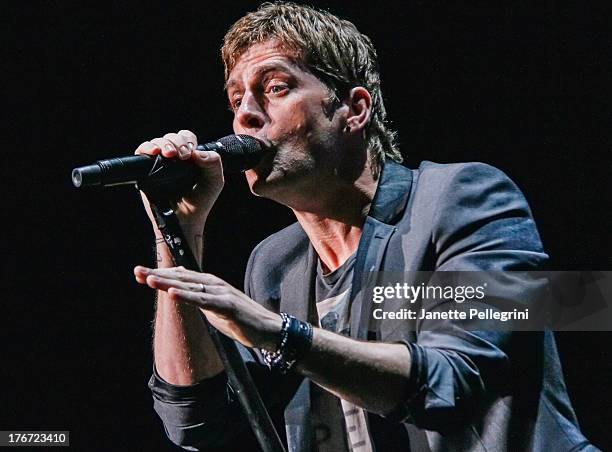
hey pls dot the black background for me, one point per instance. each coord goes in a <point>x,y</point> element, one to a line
<point>520,85</point>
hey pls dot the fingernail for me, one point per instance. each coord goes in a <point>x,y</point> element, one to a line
<point>169,147</point>
<point>184,150</point>
<point>142,269</point>
<point>191,146</point>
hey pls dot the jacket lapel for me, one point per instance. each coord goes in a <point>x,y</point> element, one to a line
<point>297,288</point>
<point>387,207</point>
<point>372,247</point>
<point>297,291</point>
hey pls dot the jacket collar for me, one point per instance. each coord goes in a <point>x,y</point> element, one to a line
<point>392,193</point>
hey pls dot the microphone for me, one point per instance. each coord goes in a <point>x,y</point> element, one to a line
<point>238,153</point>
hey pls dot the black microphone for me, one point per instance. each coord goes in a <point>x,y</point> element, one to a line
<point>238,153</point>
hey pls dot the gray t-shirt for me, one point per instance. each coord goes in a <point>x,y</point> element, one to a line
<point>338,425</point>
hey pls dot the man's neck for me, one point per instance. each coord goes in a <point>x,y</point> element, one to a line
<point>333,240</point>
<point>335,227</point>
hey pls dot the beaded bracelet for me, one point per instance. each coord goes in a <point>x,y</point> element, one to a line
<point>295,340</point>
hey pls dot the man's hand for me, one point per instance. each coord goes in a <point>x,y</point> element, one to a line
<point>194,207</point>
<point>226,308</point>
<point>383,369</point>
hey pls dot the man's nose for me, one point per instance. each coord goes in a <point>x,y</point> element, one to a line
<point>250,115</point>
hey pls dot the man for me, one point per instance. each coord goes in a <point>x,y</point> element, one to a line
<point>306,84</point>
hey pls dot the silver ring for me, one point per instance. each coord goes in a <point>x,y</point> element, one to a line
<point>202,288</point>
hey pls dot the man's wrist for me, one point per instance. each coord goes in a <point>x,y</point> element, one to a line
<point>271,332</point>
<point>163,257</point>
<point>195,241</point>
<point>294,341</point>
<point>194,235</point>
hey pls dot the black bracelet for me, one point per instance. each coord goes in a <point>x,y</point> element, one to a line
<point>295,340</point>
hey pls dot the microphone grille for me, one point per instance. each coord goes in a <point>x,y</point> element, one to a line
<point>239,152</point>
<point>240,144</point>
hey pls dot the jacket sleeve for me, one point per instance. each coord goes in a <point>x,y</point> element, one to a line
<point>193,416</point>
<point>202,416</point>
<point>482,223</point>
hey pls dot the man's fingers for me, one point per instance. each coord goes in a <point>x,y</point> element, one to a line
<point>206,159</point>
<point>140,277</point>
<point>190,137</point>
<point>183,146</point>
<point>168,149</point>
<point>148,148</point>
<point>158,282</point>
<point>206,301</point>
<point>161,283</point>
<point>178,274</point>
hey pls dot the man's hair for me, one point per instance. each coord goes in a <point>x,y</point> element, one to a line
<point>331,48</point>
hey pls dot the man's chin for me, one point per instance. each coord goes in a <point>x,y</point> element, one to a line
<point>276,185</point>
<point>260,185</point>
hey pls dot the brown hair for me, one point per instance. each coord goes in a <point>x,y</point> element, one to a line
<point>331,48</point>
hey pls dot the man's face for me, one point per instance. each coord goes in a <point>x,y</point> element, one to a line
<point>287,108</point>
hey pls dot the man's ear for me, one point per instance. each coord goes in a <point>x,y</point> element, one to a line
<point>359,102</point>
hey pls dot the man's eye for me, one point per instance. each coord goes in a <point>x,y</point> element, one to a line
<point>236,104</point>
<point>277,89</point>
